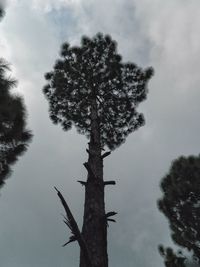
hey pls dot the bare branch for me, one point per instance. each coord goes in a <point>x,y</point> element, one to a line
<point>111,220</point>
<point>83,183</point>
<point>108,215</point>
<point>109,183</point>
<point>106,154</point>
<point>71,239</point>
<point>111,213</point>
<point>71,223</point>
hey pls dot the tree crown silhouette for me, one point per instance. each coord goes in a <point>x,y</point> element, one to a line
<point>181,202</point>
<point>91,71</point>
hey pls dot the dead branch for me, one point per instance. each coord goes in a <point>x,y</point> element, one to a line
<point>111,220</point>
<point>71,223</point>
<point>108,215</point>
<point>106,154</point>
<point>109,183</point>
<point>83,183</point>
<point>111,213</point>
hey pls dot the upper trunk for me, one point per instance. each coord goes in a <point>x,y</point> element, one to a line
<point>94,229</point>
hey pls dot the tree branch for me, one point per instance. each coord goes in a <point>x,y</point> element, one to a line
<point>83,183</point>
<point>71,223</point>
<point>108,215</point>
<point>111,213</point>
<point>111,220</point>
<point>109,183</point>
<point>106,154</point>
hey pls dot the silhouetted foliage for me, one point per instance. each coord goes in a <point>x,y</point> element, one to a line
<point>1,13</point>
<point>181,202</point>
<point>93,90</point>
<point>1,10</point>
<point>14,137</point>
<point>96,69</point>
<point>172,259</point>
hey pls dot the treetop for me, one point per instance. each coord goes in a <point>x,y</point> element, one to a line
<point>94,70</point>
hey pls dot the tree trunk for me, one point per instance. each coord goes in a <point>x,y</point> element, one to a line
<point>94,229</point>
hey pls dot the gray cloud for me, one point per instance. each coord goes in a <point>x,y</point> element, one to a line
<point>162,34</point>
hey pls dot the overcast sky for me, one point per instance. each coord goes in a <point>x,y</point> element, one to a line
<point>162,34</point>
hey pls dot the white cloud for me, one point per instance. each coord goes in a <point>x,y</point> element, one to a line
<point>49,5</point>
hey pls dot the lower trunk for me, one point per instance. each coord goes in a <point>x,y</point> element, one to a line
<point>94,229</point>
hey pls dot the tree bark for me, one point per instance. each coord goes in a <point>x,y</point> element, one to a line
<point>94,229</point>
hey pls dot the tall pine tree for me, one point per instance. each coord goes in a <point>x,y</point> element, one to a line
<point>92,89</point>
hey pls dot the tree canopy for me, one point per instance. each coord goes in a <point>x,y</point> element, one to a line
<point>14,137</point>
<point>1,10</point>
<point>95,69</point>
<point>181,202</point>
<point>172,259</point>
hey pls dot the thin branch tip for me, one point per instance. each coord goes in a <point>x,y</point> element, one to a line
<point>83,183</point>
<point>56,189</point>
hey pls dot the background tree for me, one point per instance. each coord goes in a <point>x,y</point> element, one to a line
<point>93,90</point>
<point>1,11</point>
<point>14,137</point>
<point>181,202</point>
<point>172,259</point>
